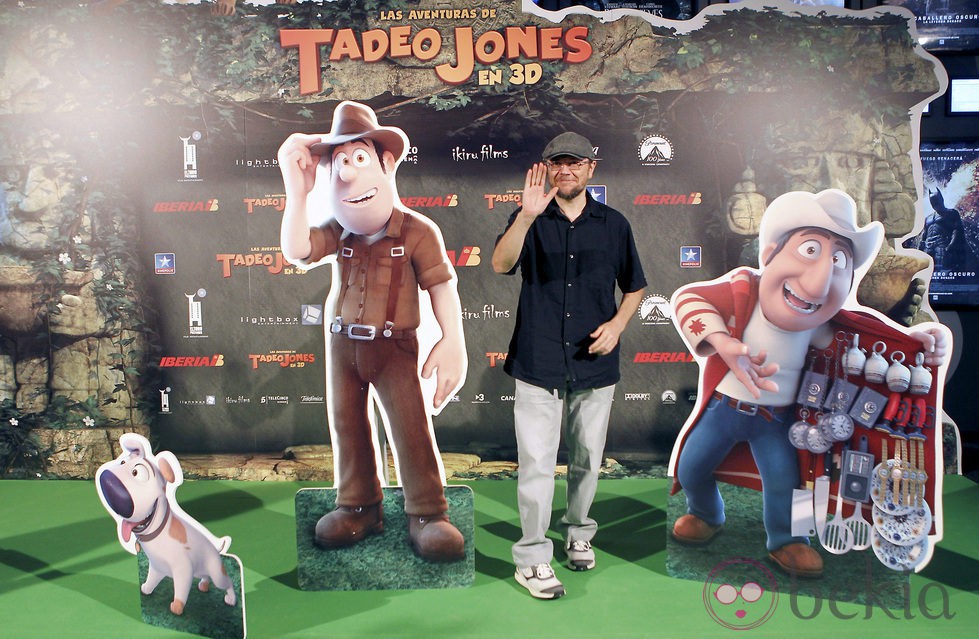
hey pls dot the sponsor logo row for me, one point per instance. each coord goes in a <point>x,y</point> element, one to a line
<point>198,317</point>
<point>170,399</point>
<point>293,359</point>
<point>655,150</point>
<point>654,310</point>
<point>509,199</point>
<point>494,360</point>
<point>306,315</point>
<point>276,359</point>
<point>271,259</point>
<point>668,397</point>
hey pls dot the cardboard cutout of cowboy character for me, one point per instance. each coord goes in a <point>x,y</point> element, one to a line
<point>388,260</point>
<point>793,400</point>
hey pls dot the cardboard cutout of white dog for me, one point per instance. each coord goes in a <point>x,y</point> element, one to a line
<point>137,488</point>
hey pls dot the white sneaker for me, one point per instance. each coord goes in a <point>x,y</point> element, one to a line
<point>580,555</point>
<point>540,581</point>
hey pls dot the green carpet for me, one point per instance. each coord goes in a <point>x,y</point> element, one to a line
<point>63,574</point>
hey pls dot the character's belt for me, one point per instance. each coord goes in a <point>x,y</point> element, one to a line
<point>366,332</point>
<point>768,413</point>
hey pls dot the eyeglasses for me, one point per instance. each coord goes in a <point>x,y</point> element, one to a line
<point>750,592</point>
<point>573,165</point>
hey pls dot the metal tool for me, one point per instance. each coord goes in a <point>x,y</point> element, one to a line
<point>820,498</point>
<point>837,537</point>
<point>860,528</point>
<point>855,483</point>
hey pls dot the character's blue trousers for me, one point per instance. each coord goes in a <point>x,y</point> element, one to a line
<point>720,427</point>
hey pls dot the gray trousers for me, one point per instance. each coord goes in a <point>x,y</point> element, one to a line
<point>538,414</point>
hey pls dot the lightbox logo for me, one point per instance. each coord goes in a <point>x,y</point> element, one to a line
<point>655,310</point>
<point>206,400</point>
<point>191,173</point>
<point>655,150</point>
<point>311,314</point>
<point>740,594</point>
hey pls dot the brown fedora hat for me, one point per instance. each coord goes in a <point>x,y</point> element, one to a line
<point>354,121</point>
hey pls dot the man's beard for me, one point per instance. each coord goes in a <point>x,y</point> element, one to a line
<point>575,192</point>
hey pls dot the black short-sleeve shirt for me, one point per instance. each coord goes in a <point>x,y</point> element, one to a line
<point>569,272</point>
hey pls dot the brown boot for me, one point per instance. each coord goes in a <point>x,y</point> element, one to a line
<point>690,529</point>
<point>798,559</point>
<point>349,524</point>
<point>434,538</point>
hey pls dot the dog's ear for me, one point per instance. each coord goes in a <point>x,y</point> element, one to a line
<point>169,467</point>
<point>134,443</point>
<point>165,469</point>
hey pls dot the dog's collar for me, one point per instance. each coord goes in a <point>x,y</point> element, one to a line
<point>156,533</point>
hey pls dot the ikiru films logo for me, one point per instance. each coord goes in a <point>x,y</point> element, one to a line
<point>740,594</point>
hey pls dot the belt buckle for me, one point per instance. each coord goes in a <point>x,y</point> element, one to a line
<point>746,408</point>
<point>364,332</point>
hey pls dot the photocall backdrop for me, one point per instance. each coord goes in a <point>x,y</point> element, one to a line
<point>152,129</point>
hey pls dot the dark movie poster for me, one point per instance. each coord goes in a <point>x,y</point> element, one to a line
<point>951,230</point>
<point>944,25</point>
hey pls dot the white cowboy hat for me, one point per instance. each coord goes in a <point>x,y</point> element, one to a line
<point>832,210</point>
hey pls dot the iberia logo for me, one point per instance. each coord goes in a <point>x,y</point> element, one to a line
<point>668,199</point>
<point>438,201</point>
<point>646,357</point>
<point>468,256</point>
<point>192,361</point>
<point>188,206</point>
